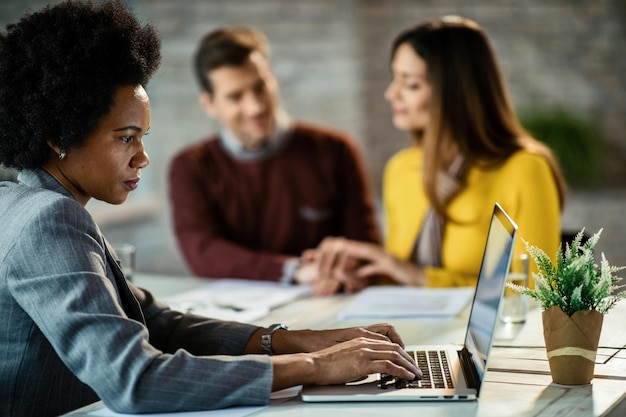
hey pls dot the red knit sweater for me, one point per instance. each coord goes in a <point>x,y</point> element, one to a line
<point>243,219</point>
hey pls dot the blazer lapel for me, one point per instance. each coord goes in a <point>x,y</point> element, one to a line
<point>129,301</point>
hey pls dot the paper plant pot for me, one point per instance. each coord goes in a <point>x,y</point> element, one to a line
<point>571,344</point>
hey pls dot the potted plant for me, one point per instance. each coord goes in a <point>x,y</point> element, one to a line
<point>574,294</point>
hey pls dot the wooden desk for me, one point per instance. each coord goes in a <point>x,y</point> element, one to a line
<point>518,382</point>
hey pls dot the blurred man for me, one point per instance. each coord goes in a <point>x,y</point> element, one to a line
<point>249,201</point>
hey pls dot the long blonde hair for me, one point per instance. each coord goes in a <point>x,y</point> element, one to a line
<point>471,112</point>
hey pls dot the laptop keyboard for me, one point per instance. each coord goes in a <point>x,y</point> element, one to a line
<point>435,371</point>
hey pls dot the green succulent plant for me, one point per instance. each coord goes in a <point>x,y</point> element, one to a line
<point>576,282</point>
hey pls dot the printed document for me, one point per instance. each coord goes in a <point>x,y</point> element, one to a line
<point>237,299</point>
<point>407,302</point>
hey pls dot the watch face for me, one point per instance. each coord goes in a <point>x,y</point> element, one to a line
<point>266,343</point>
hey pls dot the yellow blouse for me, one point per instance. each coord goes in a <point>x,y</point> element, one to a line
<point>523,185</point>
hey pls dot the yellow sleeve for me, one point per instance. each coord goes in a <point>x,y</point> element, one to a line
<point>526,189</point>
<point>536,206</point>
<point>439,277</point>
<point>523,185</point>
<point>404,201</point>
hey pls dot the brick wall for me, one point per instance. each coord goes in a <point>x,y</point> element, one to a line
<point>331,58</point>
<point>568,53</point>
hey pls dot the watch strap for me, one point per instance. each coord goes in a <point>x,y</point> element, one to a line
<point>266,337</point>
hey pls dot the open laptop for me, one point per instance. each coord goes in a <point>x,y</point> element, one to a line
<point>460,369</point>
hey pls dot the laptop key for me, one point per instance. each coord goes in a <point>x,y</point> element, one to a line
<point>435,372</point>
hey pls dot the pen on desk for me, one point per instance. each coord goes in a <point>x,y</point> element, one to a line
<point>191,306</point>
<point>229,307</point>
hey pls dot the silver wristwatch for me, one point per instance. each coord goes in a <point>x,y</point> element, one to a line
<point>266,337</point>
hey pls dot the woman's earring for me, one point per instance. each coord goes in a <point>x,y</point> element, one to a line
<point>62,155</point>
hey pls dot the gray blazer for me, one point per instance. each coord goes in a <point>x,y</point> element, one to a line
<point>73,330</point>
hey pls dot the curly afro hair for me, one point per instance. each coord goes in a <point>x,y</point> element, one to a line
<point>59,70</point>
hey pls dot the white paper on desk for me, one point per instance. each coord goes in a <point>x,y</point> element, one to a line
<point>222,313</point>
<point>407,302</point>
<point>237,299</point>
<point>226,412</point>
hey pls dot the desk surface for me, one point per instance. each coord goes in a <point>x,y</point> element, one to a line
<point>518,381</point>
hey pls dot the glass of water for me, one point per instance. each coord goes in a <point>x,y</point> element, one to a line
<point>514,304</point>
<point>125,253</point>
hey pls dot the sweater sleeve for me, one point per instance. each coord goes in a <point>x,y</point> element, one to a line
<point>357,205</point>
<point>197,229</point>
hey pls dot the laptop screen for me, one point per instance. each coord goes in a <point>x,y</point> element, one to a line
<point>493,273</point>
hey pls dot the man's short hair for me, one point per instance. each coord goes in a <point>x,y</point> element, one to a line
<point>226,47</point>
